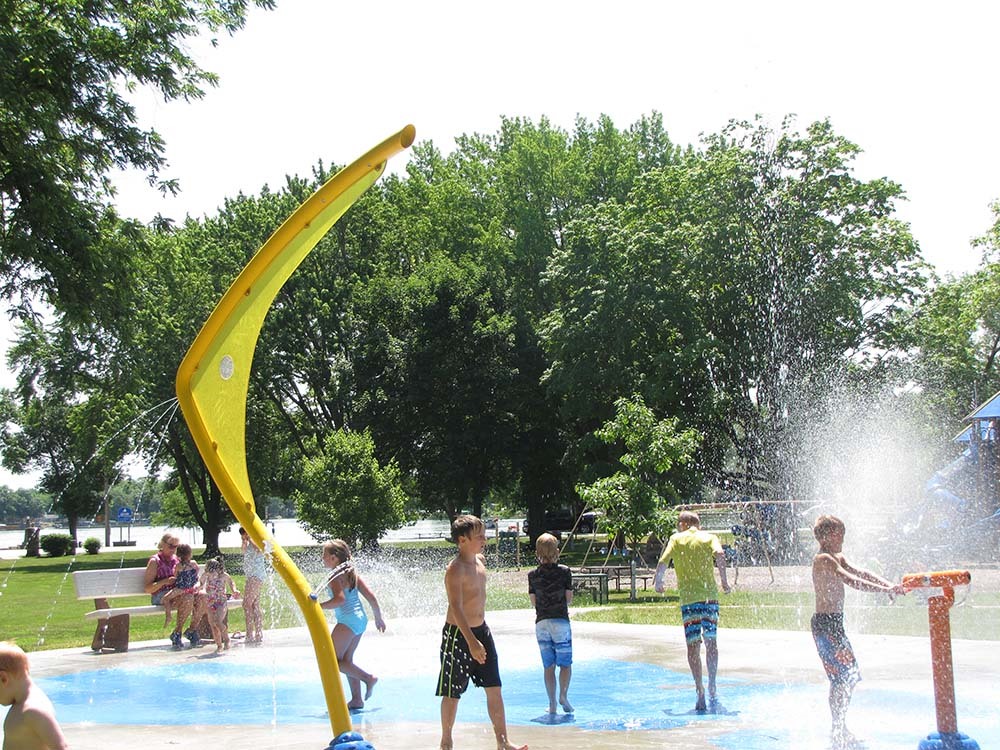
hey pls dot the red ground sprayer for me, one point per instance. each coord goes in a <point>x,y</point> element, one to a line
<point>947,736</point>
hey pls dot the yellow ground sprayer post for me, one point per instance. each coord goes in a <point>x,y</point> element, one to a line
<point>214,376</point>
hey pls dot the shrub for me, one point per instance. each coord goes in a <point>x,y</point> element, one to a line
<point>56,545</point>
<point>92,544</point>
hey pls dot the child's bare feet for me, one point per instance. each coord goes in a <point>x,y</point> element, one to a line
<point>700,703</point>
<point>844,740</point>
<point>566,705</point>
<point>370,686</point>
<point>505,745</point>
<point>355,706</point>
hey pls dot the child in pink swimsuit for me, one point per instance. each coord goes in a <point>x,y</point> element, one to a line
<point>217,586</point>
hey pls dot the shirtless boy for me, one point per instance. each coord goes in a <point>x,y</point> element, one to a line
<point>830,571</point>
<point>31,721</point>
<point>467,648</point>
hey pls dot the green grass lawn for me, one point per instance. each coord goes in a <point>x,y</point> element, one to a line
<point>39,608</point>
<point>975,618</point>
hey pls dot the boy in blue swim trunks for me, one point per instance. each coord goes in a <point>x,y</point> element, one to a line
<point>830,571</point>
<point>694,552</point>
<point>550,588</point>
<point>467,649</point>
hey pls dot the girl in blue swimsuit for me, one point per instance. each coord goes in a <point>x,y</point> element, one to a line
<point>345,591</point>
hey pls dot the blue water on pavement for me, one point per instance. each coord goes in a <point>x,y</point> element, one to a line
<point>607,695</point>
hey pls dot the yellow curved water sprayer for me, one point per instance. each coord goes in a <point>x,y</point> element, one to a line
<point>213,378</point>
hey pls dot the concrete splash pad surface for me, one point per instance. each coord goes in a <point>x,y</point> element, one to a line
<point>631,687</point>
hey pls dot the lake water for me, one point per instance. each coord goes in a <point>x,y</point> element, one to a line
<point>286,531</point>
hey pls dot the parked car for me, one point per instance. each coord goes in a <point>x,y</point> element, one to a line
<point>563,520</point>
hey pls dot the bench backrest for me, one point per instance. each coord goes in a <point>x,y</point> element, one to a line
<point>109,583</point>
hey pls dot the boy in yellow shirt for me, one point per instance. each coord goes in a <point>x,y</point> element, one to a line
<point>693,552</point>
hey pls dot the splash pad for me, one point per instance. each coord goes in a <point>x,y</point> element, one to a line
<point>630,686</point>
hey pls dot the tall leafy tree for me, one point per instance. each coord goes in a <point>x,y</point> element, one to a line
<point>436,355</point>
<point>725,281</point>
<point>66,124</point>
<point>60,419</point>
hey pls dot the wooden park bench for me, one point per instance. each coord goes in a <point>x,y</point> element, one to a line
<point>113,622</point>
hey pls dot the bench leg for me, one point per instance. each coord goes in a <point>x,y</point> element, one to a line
<point>111,634</point>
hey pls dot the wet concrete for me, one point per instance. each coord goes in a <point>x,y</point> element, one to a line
<point>772,678</point>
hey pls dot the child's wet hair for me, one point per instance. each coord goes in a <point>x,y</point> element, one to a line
<point>183,552</point>
<point>465,525</point>
<point>689,517</point>
<point>825,524</point>
<point>342,551</point>
<point>547,548</point>
<point>216,565</point>
<point>13,660</point>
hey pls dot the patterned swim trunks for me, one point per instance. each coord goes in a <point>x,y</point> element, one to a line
<point>834,649</point>
<point>701,620</point>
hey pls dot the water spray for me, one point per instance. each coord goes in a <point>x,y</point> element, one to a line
<point>941,587</point>
<point>340,570</point>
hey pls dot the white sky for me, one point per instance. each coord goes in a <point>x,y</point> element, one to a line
<point>913,84</point>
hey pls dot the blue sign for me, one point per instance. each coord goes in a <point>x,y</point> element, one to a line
<point>124,515</point>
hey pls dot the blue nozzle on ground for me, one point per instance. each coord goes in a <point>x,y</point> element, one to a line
<point>948,741</point>
<point>354,741</point>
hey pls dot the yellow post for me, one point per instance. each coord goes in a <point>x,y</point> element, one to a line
<point>214,376</point>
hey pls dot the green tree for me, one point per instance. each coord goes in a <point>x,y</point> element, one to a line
<point>17,505</point>
<point>954,341</point>
<point>60,419</point>
<point>724,283</point>
<point>347,494</point>
<point>436,356</point>
<point>652,454</point>
<point>67,125</point>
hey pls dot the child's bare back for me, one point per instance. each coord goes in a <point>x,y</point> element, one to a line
<point>31,721</point>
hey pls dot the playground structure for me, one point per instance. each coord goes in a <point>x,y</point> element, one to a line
<point>964,495</point>
<point>947,736</point>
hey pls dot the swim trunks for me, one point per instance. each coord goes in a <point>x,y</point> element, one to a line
<point>555,642</point>
<point>457,664</point>
<point>352,613</point>
<point>701,619</point>
<point>834,649</point>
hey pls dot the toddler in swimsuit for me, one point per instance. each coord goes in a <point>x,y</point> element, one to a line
<point>345,590</point>
<point>217,586</point>
<point>186,581</point>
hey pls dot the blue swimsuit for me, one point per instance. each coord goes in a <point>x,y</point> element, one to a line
<point>352,613</point>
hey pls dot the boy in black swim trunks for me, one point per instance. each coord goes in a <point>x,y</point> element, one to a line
<point>467,648</point>
<point>830,571</point>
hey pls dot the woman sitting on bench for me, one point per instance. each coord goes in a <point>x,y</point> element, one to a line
<point>160,579</point>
